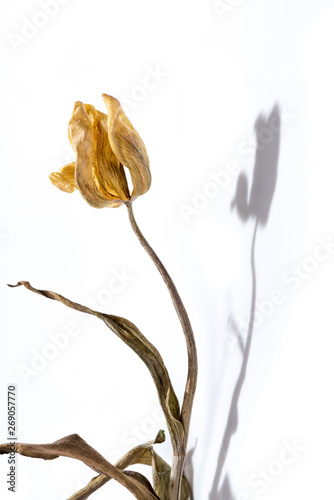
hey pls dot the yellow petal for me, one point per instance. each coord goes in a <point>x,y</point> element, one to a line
<point>98,174</point>
<point>110,174</point>
<point>64,178</point>
<point>128,146</point>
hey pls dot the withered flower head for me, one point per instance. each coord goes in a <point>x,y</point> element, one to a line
<point>104,145</point>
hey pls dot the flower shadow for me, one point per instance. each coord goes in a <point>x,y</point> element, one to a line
<point>255,205</point>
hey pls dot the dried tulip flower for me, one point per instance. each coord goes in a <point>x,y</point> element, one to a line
<point>103,145</point>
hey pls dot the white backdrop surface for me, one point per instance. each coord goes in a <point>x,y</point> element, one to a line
<point>234,101</point>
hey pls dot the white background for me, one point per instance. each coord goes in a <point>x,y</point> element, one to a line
<point>214,68</point>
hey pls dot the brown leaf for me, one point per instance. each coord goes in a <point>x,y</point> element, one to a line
<point>74,446</point>
<point>142,454</point>
<point>138,455</point>
<point>130,334</point>
<point>139,478</point>
<point>161,477</point>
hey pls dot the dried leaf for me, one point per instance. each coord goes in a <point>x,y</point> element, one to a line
<point>142,454</point>
<point>140,479</point>
<point>138,455</point>
<point>161,477</point>
<point>130,334</point>
<point>74,446</point>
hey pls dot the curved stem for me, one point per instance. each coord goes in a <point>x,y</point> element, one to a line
<point>187,330</point>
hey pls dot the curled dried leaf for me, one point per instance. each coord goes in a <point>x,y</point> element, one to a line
<point>138,455</point>
<point>130,334</point>
<point>161,472</point>
<point>146,455</point>
<point>74,446</point>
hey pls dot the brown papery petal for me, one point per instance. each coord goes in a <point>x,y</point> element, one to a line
<point>64,178</point>
<point>128,146</point>
<point>86,141</point>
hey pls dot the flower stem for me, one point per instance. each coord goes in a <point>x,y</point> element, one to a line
<point>176,474</point>
<point>178,462</point>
